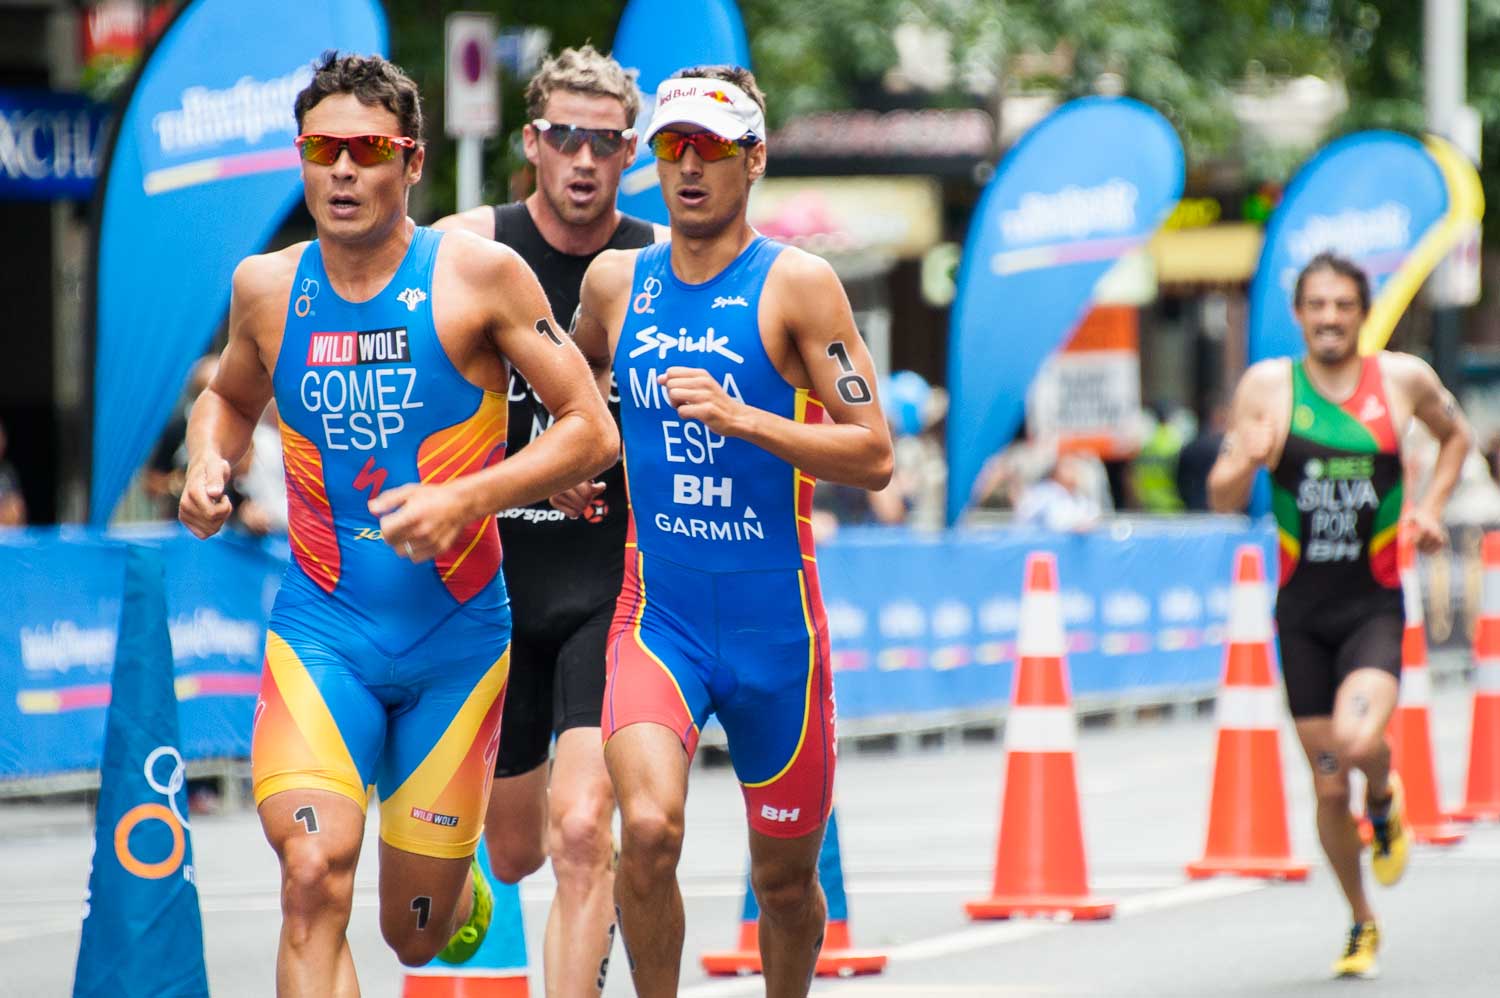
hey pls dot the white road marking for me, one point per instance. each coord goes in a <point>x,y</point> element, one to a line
<point>982,936</point>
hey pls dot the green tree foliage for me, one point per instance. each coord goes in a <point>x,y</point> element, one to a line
<point>1184,57</point>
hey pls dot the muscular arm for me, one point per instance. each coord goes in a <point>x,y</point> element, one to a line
<point>582,440</point>
<point>855,447</point>
<point>502,298</point>
<point>223,418</point>
<point>1248,441</point>
<point>601,301</point>
<point>1436,407</point>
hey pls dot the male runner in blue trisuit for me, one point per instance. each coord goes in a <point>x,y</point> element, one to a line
<point>386,346</point>
<point>742,379</point>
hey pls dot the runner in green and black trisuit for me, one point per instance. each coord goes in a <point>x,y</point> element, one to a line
<point>1329,427</point>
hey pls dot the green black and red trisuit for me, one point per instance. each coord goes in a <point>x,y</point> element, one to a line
<point>1337,496</point>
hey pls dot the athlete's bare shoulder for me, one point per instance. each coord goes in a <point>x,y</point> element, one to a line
<point>480,221</point>
<point>798,272</point>
<point>805,297</point>
<point>1266,380</point>
<point>477,263</point>
<point>1269,373</point>
<point>663,233</point>
<point>262,283</point>
<point>1408,374</point>
<point>610,274</point>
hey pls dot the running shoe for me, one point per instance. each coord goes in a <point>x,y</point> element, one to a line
<point>1390,839</point>
<point>467,940</point>
<point>1358,958</point>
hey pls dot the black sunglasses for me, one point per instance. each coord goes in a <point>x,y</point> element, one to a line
<point>568,139</point>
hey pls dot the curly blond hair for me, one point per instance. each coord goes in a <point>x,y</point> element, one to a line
<point>583,70</point>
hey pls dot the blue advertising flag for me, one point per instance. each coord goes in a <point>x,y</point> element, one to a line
<point>1376,197</point>
<point>201,173</point>
<point>142,932</point>
<point>657,38</point>
<point>1089,183</point>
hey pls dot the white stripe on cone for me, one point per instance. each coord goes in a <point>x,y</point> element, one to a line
<point>1416,688</point>
<point>1411,597</point>
<point>1249,613</point>
<point>1041,633</point>
<point>1487,676</point>
<point>1254,708</point>
<point>1489,599</point>
<point>1040,729</point>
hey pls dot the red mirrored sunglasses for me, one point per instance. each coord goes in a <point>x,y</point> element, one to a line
<point>365,150</point>
<point>669,146</point>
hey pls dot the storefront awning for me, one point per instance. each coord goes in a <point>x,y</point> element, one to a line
<point>1214,254</point>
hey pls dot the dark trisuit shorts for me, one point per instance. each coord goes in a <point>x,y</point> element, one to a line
<point>556,683</point>
<point>1320,649</point>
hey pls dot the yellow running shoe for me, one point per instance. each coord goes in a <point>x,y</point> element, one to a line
<point>1358,959</point>
<point>467,940</point>
<point>1391,840</point>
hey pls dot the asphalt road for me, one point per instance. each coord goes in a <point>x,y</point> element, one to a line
<point>918,830</point>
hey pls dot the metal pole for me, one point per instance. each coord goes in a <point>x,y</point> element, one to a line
<point>1444,63</point>
<point>470,175</point>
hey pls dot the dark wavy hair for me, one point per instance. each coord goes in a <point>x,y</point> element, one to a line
<point>372,80</point>
<point>1331,262</point>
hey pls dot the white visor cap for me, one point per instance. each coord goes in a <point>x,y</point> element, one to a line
<point>716,105</point>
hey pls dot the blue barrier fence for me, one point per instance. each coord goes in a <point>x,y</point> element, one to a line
<point>920,623</point>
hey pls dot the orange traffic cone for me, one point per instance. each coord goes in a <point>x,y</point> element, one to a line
<point>1039,860</point>
<point>1247,824</point>
<point>1482,800</point>
<point>838,957</point>
<point>1410,731</point>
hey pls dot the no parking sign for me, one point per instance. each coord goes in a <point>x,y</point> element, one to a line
<point>472,105</point>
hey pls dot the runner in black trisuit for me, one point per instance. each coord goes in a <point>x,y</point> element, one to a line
<point>563,558</point>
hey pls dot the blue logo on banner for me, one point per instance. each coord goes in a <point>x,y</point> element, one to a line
<point>142,932</point>
<point>60,632</point>
<point>201,174</point>
<point>1090,182</point>
<point>1371,196</point>
<point>49,144</point>
<point>657,38</point>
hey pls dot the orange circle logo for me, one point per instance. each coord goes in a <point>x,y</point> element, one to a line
<point>135,816</point>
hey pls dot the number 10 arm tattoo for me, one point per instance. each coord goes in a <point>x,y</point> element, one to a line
<point>852,387</point>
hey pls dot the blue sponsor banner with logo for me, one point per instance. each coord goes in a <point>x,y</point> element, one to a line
<point>58,643</point>
<point>201,174</point>
<point>925,623</point>
<point>657,38</point>
<point>919,623</point>
<point>49,144</point>
<point>142,931</point>
<point>1371,196</point>
<point>1090,182</point>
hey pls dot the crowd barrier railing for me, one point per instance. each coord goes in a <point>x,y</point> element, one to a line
<point>923,627</point>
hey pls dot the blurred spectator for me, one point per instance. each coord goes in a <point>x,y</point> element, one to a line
<point>1198,456</point>
<point>262,484</point>
<point>164,472</point>
<point>1059,500</point>
<point>1008,475</point>
<point>1153,473</point>
<point>12,502</point>
<point>914,410</point>
<point>1476,498</point>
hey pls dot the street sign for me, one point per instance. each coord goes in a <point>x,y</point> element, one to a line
<point>472,107</point>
